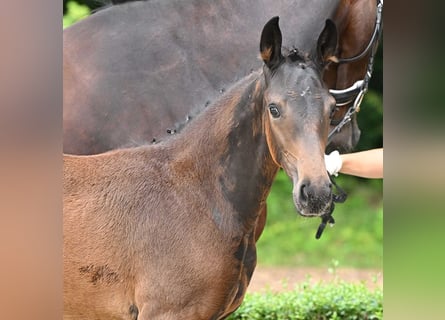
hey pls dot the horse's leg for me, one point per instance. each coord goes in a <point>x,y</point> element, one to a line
<point>248,267</point>
<point>147,313</point>
<point>195,310</point>
<point>171,316</point>
<point>261,222</point>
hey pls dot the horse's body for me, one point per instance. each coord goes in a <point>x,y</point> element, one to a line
<point>167,231</point>
<point>134,70</point>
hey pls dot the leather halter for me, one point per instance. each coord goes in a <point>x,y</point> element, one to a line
<point>359,88</point>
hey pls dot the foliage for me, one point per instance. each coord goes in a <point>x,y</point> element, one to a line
<point>370,117</point>
<point>370,121</point>
<point>339,300</point>
<point>92,4</point>
<point>75,12</point>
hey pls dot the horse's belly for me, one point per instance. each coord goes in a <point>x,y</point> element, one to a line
<point>97,299</point>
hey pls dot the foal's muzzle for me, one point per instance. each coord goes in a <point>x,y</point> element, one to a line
<point>313,199</point>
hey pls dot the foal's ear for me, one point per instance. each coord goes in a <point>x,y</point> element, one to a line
<point>327,43</point>
<point>270,45</point>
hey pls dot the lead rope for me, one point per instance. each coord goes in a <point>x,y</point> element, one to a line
<point>327,217</point>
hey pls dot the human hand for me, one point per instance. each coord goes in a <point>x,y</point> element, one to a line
<point>333,162</point>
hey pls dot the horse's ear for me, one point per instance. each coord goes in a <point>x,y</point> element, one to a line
<point>270,44</point>
<point>327,43</point>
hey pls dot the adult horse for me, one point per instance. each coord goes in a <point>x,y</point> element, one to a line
<point>133,71</point>
<point>166,231</point>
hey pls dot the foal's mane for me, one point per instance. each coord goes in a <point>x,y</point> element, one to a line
<point>293,55</point>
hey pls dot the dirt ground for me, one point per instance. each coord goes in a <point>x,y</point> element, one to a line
<point>281,278</point>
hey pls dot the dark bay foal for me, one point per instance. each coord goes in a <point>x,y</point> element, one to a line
<point>167,231</point>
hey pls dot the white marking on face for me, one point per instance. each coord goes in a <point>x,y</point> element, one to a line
<point>307,90</point>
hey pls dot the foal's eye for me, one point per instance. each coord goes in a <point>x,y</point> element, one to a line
<point>274,110</point>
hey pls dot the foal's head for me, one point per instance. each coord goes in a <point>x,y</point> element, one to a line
<point>297,110</point>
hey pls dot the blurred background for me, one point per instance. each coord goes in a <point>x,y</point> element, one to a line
<point>356,240</point>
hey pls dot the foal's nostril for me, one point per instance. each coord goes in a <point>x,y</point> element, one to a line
<point>303,192</point>
<point>308,193</point>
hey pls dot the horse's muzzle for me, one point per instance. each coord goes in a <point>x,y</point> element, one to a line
<point>313,200</point>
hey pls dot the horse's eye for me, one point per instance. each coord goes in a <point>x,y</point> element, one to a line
<point>274,110</point>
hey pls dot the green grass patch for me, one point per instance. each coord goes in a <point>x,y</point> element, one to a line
<point>75,12</point>
<point>337,300</point>
<point>356,240</point>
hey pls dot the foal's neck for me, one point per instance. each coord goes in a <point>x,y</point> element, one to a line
<point>228,143</point>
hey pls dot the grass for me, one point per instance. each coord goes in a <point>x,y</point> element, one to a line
<point>338,300</point>
<point>356,240</point>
